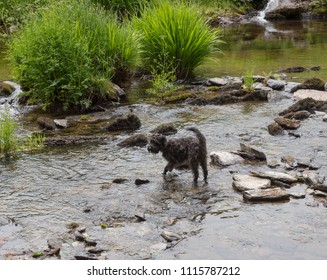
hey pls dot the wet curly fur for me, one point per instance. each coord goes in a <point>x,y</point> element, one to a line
<point>189,151</point>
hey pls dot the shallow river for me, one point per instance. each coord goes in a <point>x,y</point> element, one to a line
<point>44,193</point>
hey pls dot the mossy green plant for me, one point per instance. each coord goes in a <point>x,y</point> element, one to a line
<point>175,31</point>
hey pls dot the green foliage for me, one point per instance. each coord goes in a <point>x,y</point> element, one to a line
<point>175,31</point>
<point>14,12</point>
<point>10,142</point>
<point>248,81</point>
<point>64,53</point>
<point>123,8</point>
<point>8,138</point>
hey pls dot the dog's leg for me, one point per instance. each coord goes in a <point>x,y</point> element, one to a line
<point>204,169</point>
<point>195,170</point>
<point>169,167</point>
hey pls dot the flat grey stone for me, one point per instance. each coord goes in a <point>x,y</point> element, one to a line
<point>247,182</point>
<point>268,195</point>
<point>225,158</point>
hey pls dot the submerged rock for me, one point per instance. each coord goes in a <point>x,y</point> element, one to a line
<point>129,122</point>
<point>275,129</point>
<point>251,153</point>
<point>165,129</point>
<point>287,123</point>
<point>314,83</point>
<point>248,182</point>
<point>138,140</point>
<point>225,158</point>
<point>6,89</point>
<point>46,123</point>
<point>268,195</point>
<point>300,115</point>
<point>307,104</point>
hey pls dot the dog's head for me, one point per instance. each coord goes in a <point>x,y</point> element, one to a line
<point>157,143</point>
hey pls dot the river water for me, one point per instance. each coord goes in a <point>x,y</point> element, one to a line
<point>43,194</point>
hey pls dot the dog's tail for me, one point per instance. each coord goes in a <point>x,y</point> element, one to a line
<point>200,136</point>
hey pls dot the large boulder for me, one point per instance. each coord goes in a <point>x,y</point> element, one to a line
<point>125,123</point>
<point>286,9</point>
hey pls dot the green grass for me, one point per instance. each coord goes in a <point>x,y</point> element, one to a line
<point>10,143</point>
<point>15,12</point>
<point>176,32</point>
<point>64,54</point>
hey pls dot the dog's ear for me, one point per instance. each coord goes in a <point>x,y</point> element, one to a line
<point>161,139</point>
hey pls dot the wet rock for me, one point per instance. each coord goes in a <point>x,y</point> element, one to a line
<point>129,122</point>
<point>299,115</point>
<point>138,140</point>
<point>90,242</point>
<point>317,95</point>
<point>225,158</point>
<point>85,258</point>
<point>266,195</point>
<point>289,161</point>
<point>297,69</point>
<point>46,123</point>
<point>62,123</point>
<point>312,204</point>
<point>324,118</point>
<point>273,175</point>
<point>249,152</point>
<point>6,89</point>
<point>276,84</point>
<point>274,96</point>
<point>314,83</point>
<point>247,182</point>
<point>140,217</point>
<point>290,87</point>
<point>79,236</point>
<point>287,123</point>
<point>313,178</point>
<point>286,9</point>
<point>119,180</point>
<point>275,129</point>
<point>141,181</point>
<point>165,129</point>
<point>217,81</point>
<point>297,195</point>
<point>307,104</point>
<point>320,193</point>
<point>74,140</point>
<point>170,236</point>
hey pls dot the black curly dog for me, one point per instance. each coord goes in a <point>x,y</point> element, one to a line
<point>185,151</point>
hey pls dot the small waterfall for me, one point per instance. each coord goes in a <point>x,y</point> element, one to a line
<point>271,5</point>
<point>11,101</point>
<point>260,19</point>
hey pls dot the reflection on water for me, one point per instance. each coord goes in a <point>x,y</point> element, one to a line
<point>251,47</point>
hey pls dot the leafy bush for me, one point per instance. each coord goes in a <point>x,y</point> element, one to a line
<point>123,8</point>
<point>175,31</point>
<point>14,12</point>
<point>63,55</point>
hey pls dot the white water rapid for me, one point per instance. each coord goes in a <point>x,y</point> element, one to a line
<point>260,19</point>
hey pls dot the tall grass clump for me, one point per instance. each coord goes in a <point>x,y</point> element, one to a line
<point>8,139</point>
<point>65,54</point>
<point>177,32</point>
<point>10,143</point>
